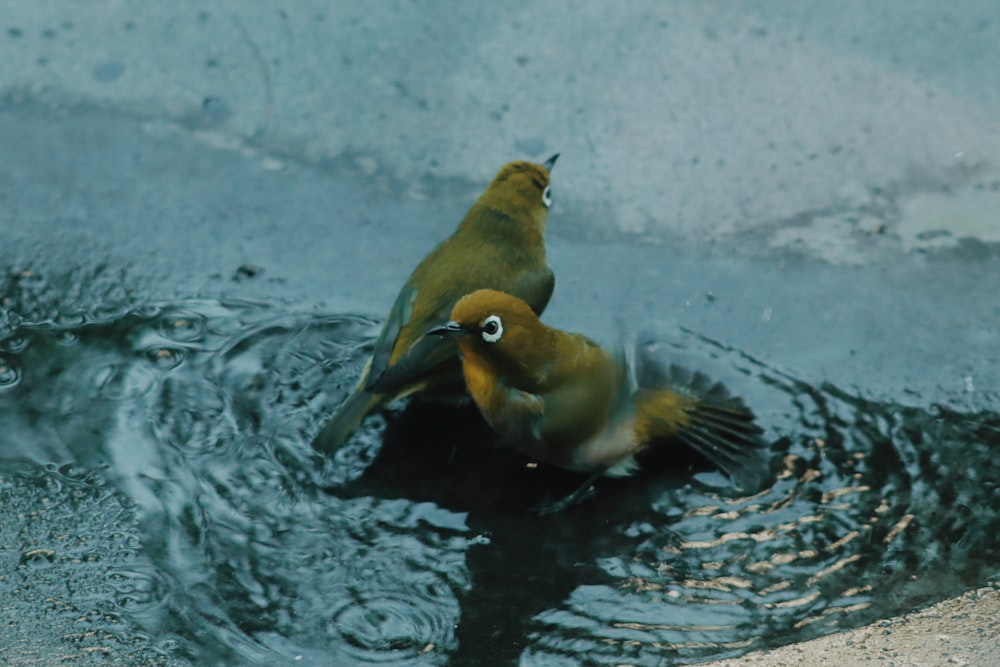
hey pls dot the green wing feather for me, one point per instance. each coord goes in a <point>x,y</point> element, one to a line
<point>429,356</point>
<point>399,316</point>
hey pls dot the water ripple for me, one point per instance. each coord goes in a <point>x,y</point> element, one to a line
<point>846,520</point>
<point>181,326</point>
<point>412,546</point>
<point>10,375</point>
<point>391,627</point>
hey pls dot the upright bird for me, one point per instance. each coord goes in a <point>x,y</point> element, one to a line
<point>499,244</point>
<point>562,399</point>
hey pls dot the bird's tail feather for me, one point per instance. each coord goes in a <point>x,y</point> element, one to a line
<point>349,416</point>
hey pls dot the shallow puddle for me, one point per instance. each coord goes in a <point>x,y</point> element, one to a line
<point>418,545</point>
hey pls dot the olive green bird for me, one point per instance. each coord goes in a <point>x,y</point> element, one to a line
<point>561,399</point>
<point>499,244</point>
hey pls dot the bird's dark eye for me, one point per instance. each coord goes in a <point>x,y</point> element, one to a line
<point>547,196</point>
<point>492,328</point>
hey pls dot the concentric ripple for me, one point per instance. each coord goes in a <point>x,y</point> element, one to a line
<point>391,627</point>
<point>10,374</point>
<point>252,549</point>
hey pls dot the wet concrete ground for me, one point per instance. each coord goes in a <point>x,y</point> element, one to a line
<point>814,188</point>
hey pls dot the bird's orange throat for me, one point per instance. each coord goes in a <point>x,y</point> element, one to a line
<point>480,379</point>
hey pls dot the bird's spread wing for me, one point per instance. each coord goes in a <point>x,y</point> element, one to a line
<point>714,423</point>
<point>729,438</point>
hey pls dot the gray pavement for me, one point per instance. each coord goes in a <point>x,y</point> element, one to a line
<point>805,123</point>
<point>844,154</point>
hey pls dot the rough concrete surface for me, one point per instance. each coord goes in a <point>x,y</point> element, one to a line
<point>818,141</point>
<point>964,631</point>
<point>690,121</point>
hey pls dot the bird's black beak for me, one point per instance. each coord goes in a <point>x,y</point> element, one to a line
<point>447,329</point>
<point>551,162</point>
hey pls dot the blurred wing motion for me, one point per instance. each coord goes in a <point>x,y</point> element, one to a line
<point>690,407</point>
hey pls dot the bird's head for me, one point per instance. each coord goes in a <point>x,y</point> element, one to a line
<point>501,328</point>
<point>521,190</point>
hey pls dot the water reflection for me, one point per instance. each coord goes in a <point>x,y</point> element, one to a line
<point>417,544</point>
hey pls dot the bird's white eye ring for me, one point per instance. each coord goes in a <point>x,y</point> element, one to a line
<point>547,196</point>
<point>492,328</point>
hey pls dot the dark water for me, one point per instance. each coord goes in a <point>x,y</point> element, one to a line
<point>417,545</point>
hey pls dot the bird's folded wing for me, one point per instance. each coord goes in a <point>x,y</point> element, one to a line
<point>399,315</point>
<point>523,419</point>
<point>535,288</point>
<point>592,397</point>
<point>424,358</point>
